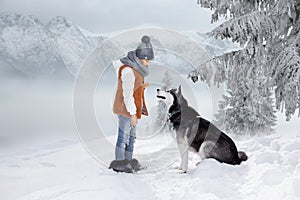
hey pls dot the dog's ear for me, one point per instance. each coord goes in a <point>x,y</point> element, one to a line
<point>179,90</point>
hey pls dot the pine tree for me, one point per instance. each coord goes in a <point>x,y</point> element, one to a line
<point>167,81</point>
<point>162,109</point>
<point>248,107</point>
<point>161,116</point>
<point>268,33</point>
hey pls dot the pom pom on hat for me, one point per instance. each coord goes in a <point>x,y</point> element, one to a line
<point>146,39</point>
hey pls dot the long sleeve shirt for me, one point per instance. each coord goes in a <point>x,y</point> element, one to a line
<point>128,79</point>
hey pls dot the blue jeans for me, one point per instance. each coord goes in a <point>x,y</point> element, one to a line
<point>126,139</point>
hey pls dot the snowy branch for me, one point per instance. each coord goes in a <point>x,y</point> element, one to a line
<point>254,26</point>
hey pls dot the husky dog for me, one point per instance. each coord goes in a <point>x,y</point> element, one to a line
<point>199,135</point>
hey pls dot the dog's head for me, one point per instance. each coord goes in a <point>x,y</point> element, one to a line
<point>179,102</point>
<point>166,95</point>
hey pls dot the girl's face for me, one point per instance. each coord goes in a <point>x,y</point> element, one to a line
<point>145,62</point>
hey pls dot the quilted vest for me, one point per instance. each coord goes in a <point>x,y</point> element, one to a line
<point>138,94</point>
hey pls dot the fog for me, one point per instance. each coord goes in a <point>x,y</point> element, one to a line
<point>111,15</point>
<point>40,110</point>
<point>33,109</point>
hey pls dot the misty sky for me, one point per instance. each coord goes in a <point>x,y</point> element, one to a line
<point>111,15</point>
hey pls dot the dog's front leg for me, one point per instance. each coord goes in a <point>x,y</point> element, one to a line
<point>184,158</point>
<point>183,149</point>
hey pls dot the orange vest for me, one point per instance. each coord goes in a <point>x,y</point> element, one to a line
<point>138,94</point>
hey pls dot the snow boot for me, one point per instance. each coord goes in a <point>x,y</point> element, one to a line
<point>121,166</point>
<point>136,165</point>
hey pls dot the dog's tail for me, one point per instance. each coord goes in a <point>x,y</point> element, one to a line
<point>242,156</point>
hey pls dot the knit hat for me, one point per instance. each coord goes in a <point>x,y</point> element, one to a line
<point>144,50</point>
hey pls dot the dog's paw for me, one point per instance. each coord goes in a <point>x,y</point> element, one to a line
<point>182,171</point>
<point>178,167</point>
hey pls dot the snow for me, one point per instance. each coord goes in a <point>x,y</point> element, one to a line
<point>60,167</point>
<point>35,48</point>
<point>64,170</point>
<point>42,158</point>
<point>213,46</point>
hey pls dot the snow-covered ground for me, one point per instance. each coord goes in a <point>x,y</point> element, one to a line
<point>58,167</point>
<point>64,170</point>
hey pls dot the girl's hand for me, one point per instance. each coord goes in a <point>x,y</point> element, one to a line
<point>134,120</point>
<point>147,84</point>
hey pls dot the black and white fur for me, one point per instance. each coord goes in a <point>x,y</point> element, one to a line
<point>199,135</point>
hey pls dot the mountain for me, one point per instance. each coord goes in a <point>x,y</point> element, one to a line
<point>188,51</point>
<point>27,44</point>
<point>72,42</point>
<point>214,47</point>
<point>33,48</point>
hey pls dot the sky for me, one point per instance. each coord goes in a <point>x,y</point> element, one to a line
<point>104,16</point>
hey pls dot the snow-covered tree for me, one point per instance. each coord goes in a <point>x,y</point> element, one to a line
<point>268,34</point>
<point>162,108</point>
<point>247,108</point>
<point>161,115</point>
<point>167,81</point>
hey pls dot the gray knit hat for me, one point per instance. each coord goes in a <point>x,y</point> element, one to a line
<point>144,50</point>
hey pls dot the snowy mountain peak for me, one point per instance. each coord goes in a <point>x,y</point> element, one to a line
<point>60,20</point>
<point>32,47</point>
<point>59,24</point>
<point>18,19</point>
